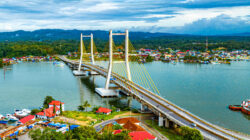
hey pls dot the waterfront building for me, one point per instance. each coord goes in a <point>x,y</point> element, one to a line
<point>26,119</point>
<point>104,110</point>
<point>123,121</point>
<point>141,135</point>
<point>57,104</point>
<point>48,113</point>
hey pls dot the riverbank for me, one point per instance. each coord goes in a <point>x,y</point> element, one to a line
<point>206,89</point>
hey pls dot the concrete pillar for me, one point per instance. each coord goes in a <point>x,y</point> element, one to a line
<point>142,108</point>
<point>80,63</point>
<point>92,48</point>
<point>166,122</point>
<point>127,55</point>
<point>160,121</point>
<point>110,59</point>
<point>130,102</point>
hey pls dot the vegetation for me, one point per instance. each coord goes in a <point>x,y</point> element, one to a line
<point>34,111</point>
<point>50,47</point>
<point>191,133</point>
<point>61,112</point>
<point>87,116</point>
<point>47,100</point>
<point>169,133</point>
<point>1,62</point>
<point>149,58</point>
<point>80,133</point>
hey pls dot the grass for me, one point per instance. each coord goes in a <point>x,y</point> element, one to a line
<point>90,116</point>
<point>169,133</point>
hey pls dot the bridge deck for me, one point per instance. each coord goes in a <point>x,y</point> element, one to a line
<point>165,107</point>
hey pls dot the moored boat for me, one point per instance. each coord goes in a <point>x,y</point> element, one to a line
<point>246,107</point>
<point>235,107</point>
<point>4,121</point>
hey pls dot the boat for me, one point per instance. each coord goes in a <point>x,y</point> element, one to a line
<point>11,117</point>
<point>235,107</point>
<point>215,62</point>
<point>22,113</point>
<point>246,107</point>
<point>4,121</point>
<point>60,65</point>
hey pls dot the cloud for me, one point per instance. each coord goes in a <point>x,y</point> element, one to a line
<point>143,15</point>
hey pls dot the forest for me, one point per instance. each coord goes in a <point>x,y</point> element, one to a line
<point>39,47</point>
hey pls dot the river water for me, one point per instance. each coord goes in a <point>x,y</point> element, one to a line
<point>205,90</point>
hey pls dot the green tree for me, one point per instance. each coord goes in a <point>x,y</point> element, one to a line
<point>54,109</point>
<point>149,58</point>
<point>34,111</point>
<point>191,133</point>
<point>86,105</point>
<point>47,100</point>
<point>1,62</point>
<point>81,108</point>
<point>61,112</point>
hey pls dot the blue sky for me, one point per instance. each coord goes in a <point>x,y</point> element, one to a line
<point>173,16</point>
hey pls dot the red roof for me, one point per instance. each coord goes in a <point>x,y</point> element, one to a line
<point>57,103</point>
<point>48,112</point>
<point>117,131</point>
<point>26,119</point>
<point>103,110</point>
<point>141,135</point>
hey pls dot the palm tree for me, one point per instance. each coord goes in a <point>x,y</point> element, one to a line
<point>86,105</point>
<point>81,108</point>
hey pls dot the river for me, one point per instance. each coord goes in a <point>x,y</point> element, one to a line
<point>205,90</point>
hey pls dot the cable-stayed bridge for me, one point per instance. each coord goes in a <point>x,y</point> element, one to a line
<point>125,70</point>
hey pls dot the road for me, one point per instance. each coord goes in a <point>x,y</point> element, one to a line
<point>163,106</point>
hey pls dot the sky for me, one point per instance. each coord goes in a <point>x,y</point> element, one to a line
<point>206,17</point>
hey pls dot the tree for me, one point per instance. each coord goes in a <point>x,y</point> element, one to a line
<point>54,109</point>
<point>86,105</point>
<point>149,58</point>
<point>61,112</point>
<point>34,111</point>
<point>1,62</point>
<point>47,100</point>
<point>191,133</point>
<point>81,108</point>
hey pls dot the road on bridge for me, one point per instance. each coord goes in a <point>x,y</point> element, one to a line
<point>163,106</point>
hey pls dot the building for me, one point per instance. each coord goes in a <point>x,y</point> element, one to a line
<point>141,135</point>
<point>57,104</point>
<point>26,119</point>
<point>48,113</point>
<point>132,127</point>
<point>123,121</point>
<point>104,110</point>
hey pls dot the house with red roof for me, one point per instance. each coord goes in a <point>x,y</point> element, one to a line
<point>141,135</point>
<point>48,113</point>
<point>26,119</point>
<point>57,104</point>
<point>104,110</point>
<point>123,121</point>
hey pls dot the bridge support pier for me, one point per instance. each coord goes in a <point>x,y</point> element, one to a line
<point>160,121</point>
<point>142,108</point>
<point>166,122</point>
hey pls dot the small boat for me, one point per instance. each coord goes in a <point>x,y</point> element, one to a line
<point>235,107</point>
<point>244,107</point>
<point>4,121</point>
<point>215,62</point>
<point>22,113</point>
<point>60,64</point>
<point>11,117</point>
